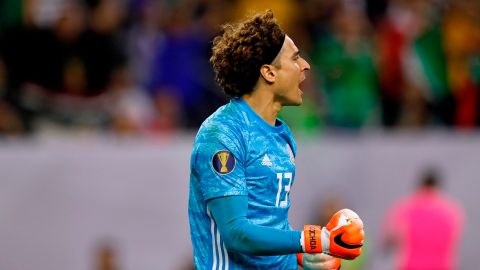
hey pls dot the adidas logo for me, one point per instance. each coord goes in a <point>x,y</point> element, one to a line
<point>266,161</point>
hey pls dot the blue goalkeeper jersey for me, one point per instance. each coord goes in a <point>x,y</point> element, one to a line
<point>237,153</point>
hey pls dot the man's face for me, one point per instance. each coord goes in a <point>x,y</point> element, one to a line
<point>290,73</point>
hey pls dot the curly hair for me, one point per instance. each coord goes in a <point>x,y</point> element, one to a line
<point>241,50</point>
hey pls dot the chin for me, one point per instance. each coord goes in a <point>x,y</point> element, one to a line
<point>293,99</point>
<point>296,102</point>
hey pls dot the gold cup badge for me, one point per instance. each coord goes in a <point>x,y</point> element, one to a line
<point>223,157</point>
<point>220,162</point>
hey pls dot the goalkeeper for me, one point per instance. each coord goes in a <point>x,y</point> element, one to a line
<point>243,162</point>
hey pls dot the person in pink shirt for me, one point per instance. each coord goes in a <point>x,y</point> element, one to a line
<point>424,228</point>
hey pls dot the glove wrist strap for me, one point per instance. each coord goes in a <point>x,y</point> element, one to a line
<point>325,238</point>
<point>312,239</point>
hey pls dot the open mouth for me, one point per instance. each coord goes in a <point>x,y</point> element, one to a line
<point>301,83</point>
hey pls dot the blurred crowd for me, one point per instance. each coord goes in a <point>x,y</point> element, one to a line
<point>141,66</point>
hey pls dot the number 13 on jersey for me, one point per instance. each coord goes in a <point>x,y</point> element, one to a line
<point>284,183</point>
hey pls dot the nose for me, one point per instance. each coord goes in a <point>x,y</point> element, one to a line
<point>305,64</point>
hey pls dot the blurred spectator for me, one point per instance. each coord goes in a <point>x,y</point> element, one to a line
<point>286,12</point>
<point>375,10</point>
<point>58,65</point>
<point>102,47</point>
<point>145,34</point>
<point>130,109</point>
<point>54,72</point>
<point>314,21</point>
<point>343,59</point>
<point>417,67</point>
<point>426,63</point>
<point>424,228</point>
<point>167,114</point>
<point>414,82</point>
<point>9,120</point>
<point>19,56</point>
<point>392,41</point>
<point>10,13</point>
<point>181,70</point>
<point>461,32</point>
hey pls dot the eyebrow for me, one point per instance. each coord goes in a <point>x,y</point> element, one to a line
<point>295,54</point>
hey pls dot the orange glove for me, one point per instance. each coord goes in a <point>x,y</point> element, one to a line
<point>318,261</point>
<point>342,237</point>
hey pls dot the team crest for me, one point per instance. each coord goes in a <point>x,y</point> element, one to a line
<point>223,162</point>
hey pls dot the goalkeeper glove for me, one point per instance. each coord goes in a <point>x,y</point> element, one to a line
<point>318,261</point>
<point>342,237</point>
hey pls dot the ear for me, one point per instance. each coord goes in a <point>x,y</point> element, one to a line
<point>268,73</point>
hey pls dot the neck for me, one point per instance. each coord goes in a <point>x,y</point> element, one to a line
<point>264,105</point>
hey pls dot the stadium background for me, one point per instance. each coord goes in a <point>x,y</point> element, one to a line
<point>100,99</point>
